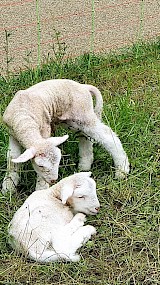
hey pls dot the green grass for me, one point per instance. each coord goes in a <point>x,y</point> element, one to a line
<point>126,247</point>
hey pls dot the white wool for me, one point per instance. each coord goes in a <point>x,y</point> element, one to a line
<point>49,226</point>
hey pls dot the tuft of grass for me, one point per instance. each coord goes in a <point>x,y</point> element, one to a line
<point>126,247</point>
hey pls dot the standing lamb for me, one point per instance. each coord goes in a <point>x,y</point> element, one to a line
<point>45,229</point>
<point>34,113</point>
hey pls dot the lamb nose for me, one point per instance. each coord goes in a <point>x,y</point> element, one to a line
<point>97,209</point>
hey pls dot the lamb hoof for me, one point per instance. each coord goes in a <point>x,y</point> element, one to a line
<point>75,258</point>
<point>121,174</point>
<point>91,230</point>
<point>85,165</point>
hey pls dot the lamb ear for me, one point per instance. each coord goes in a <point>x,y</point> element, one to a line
<point>66,192</point>
<point>26,155</point>
<point>58,140</point>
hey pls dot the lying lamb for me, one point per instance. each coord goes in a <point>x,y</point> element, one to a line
<point>34,113</point>
<point>45,228</point>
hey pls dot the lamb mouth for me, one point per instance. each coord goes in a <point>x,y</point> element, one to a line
<point>92,212</point>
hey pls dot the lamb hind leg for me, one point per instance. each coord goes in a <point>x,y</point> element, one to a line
<point>104,135</point>
<point>44,257</point>
<point>51,256</point>
<point>11,178</point>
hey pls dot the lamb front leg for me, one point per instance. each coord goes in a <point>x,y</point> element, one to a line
<point>106,137</point>
<point>71,237</point>
<point>11,178</point>
<point>85,153</point>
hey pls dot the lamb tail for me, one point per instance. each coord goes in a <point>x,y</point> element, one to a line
<point>99,100</point>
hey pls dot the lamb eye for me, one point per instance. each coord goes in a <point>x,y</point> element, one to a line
<point>41,166</point>
<point>81,197</point>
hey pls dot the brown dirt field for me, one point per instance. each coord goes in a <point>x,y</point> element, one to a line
<point>118,23</point>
